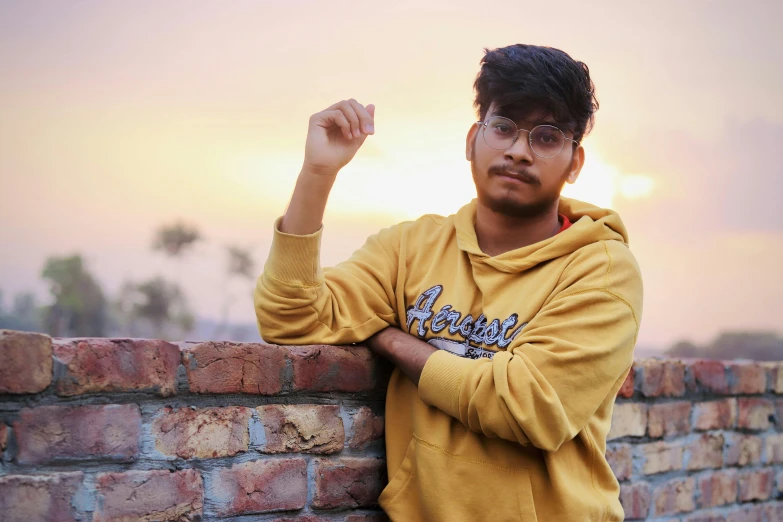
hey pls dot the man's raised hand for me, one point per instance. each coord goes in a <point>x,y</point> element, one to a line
<point>334,136</point>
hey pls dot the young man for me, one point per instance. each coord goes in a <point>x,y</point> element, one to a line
<point>511,323</point>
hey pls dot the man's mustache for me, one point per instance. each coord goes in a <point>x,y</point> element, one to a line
<point>522,175</point>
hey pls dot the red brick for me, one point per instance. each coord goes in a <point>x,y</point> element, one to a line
<point>620,460</point>
<point>747,378</point>
<point>662,377</point>
<point>708,376</point>
<point>304,518</point>
<point>380,517</point>
<point>25,362</point>
<point>669,418</point>
<point>742,450</point>
<point>635,499</point>
<point>260,486</point>
<point>30,498</point>
<point>348,482</point>
<point>746,514</point>
<point>252,368</point>
<point>774,376</point>
<point>626,390</point>
<point>715,415</point>
<point>756,484</point>
<point>779,413</point>
<point>149,495</point>
<point>660,457</point>
<point>117,365</point>
<point>61,433</point>
<point>755,413</point>
<point>773,444</point>
<point>773,511</point>
<point>705,452</point>
<point>332,368</point>
<point>302,428</point>
<point>628,419</point>
<point>367,428</point>
<point>3,439</point>
<point>674,496</point>
<point>202,433</point>
<point>718,488</point>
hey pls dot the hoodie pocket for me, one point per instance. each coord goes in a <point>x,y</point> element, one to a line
<point>434,485</point>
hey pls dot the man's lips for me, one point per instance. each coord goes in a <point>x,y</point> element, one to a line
<point>521,177</point>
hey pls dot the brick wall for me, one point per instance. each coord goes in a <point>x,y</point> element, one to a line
<point>116,429</point>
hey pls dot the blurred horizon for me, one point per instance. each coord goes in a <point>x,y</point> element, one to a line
<point>119,118</point>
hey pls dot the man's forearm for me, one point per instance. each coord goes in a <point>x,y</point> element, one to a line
<point>405,351</point>
<point>305,212</point>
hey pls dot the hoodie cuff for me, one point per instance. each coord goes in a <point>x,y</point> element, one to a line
<point>441,380</point>
<point>295,260</point>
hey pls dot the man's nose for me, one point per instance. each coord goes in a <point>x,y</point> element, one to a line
<point>519,151</point>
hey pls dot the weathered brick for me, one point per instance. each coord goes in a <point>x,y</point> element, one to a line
<point>774,376</point>
<point>367,428</point>
<point>379,517</point>
<point>779,413</point>
<point>3,439</point>
<point>674,496</point>
<point>773,448</point>
<point>755,413</point>
<point>202,433</point>
<point>629,418</point>
<point>302,428</point>
<point>117,365</point>
<point>303,518</point>
<point>660,457</point>
<point>25,362</point>
<point>755,484</point>
<point>661,377</point>
<point>669,418</point>
<point>30,498</point>
<point>149,495</point>
<point>348,482</point>
<point>742,450</point>
<point>58,433</point>
<point>715,415</point>
<point>708,376</point>
<point>620,460</point>
<point>718,488</point>
<point>222,367</point>
<point>260,486</point>
<point>746,514</point>
<point>773,511</point>
<point>635,499</point>
<point>747,378</point>
<point>626,390</point>
<point>705,452</point>
<point>332,368</point>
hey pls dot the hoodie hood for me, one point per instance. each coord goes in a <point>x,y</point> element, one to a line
<point>590,224</point>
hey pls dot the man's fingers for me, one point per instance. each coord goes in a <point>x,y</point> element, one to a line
<point>366,122</point>
<point>337,117</point>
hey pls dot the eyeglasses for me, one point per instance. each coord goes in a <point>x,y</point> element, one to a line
<point>546,141</point>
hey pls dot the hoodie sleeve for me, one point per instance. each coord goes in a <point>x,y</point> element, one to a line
<point>297,302</point>
<point>568,359</point>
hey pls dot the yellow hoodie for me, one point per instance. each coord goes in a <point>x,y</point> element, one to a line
<point>510,418</point>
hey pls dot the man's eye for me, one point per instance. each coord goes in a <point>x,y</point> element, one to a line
<point>502,129</point>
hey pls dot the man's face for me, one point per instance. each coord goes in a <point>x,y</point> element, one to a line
<point>515,182</point>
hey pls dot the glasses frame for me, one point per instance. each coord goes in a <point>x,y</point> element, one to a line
<point>529,136</point>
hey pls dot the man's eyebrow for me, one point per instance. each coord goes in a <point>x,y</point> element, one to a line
<point>541,121</point>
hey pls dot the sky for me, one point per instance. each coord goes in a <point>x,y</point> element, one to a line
<point>119,117</point>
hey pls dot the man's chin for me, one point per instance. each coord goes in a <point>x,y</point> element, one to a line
<point>518,209</point>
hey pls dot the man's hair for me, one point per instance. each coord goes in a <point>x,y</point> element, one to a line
<point>523,80</point>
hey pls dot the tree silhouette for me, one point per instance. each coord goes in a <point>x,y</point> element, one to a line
<point>79,307</point>
<point>176,239</point>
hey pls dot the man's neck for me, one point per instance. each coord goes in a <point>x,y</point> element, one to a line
<point>498,233</point>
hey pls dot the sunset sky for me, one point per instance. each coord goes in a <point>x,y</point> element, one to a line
<point>118,117</point>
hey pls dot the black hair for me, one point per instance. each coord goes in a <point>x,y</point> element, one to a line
<point>523,80</point>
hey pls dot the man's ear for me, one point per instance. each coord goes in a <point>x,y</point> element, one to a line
<point>470,140</point>
<point>577,161</point>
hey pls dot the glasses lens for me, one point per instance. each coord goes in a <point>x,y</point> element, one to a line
<point>500,133</point>
<point>547,141</point>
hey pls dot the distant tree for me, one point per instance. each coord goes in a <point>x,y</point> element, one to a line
<point>240,264</point>
<point>757,346</point>
<point>24,315</point>
<point>176,239</point>
<point>158,303</point>
<point>79,307</point>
